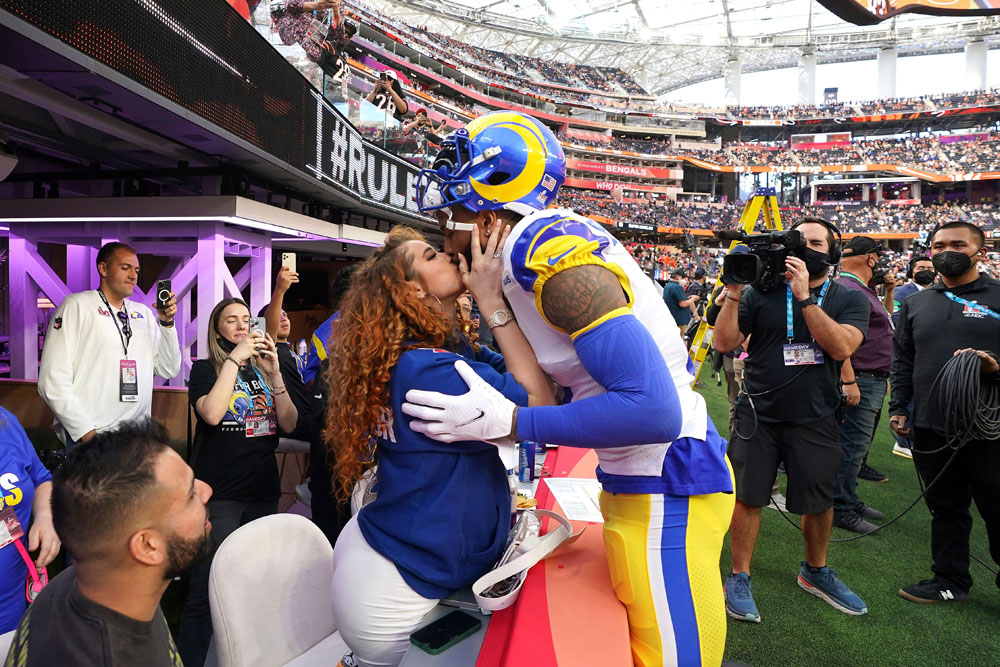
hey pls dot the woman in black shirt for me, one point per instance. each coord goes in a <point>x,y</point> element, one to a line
<point>240,401</point>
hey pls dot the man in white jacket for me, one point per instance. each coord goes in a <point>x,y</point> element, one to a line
<point>102,350</point>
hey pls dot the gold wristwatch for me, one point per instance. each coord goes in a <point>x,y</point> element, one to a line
<point>500,318</point>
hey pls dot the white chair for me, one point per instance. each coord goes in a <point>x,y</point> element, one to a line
<point>269,592</point>
<point>6,639</point>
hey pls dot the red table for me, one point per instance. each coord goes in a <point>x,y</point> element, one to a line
<point>567,613</point>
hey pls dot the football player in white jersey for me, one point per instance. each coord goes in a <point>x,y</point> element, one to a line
<point>599,329</point>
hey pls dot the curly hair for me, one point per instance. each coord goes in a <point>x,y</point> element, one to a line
<point>380,318</point>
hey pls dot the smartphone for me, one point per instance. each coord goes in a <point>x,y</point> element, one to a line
<point>445,632</point>
<point>257,326</point>
<point>288,259</point>
<point>163,289</point>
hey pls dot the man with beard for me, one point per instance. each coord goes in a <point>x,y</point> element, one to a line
<point>960,312</point>
<point>133,516</point>
<point>786,410</point>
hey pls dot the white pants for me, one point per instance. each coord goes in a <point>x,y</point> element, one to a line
<point>374,607</point>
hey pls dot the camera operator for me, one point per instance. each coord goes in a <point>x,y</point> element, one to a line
<point>958,313</point>
<point>864,377</point>
<point>786,408</point>
<point>387,95</point>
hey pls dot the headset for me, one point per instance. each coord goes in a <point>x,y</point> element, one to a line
<point>837,250</point>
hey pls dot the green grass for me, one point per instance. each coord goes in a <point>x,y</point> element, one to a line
<point>799,629</point>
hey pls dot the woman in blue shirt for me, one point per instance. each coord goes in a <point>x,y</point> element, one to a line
<point>26,488</point>
<point>441,513</point>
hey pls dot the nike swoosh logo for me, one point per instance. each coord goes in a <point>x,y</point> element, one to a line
<point>474,419</point>
<point>554,261</point>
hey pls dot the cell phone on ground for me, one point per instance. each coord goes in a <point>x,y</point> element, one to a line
<point>445,632</point>
<point>288,259</point>
<point>257,325</point>
<point>163,289</point>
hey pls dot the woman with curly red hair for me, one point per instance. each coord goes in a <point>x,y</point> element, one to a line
<point>441,512</point>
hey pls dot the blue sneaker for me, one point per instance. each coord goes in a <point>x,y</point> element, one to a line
<point>827,586</point>
<point>739,598</point>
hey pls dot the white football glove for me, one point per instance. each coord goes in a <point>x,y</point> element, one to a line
<point>482,413</point>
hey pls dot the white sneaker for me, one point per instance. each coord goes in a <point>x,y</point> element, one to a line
<point>777,503</point>
<point>899,450</point>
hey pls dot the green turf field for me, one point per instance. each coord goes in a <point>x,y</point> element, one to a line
<point>799,629</point>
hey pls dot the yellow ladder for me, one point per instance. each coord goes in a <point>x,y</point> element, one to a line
<point>764,200</point>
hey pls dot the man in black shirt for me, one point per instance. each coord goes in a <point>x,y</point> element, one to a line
<point>132,514</point>
<point>786,409</point>
<point>959,312</point>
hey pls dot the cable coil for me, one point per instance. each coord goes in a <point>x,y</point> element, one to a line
<point>963,406</point>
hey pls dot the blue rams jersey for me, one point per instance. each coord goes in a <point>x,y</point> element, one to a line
<point>317,348</point>
<point>545,243</point>
<point>442,512</point>
<point>20,474</point>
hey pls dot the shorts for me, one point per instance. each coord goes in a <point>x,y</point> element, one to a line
<point>811,453</point>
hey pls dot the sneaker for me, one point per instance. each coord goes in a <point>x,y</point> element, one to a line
<point>929,591</point>
<point>900,450</point>
<point>872,475</point>
<point>348,660</point>
<point>866,512</point>
<point>739,598</point>
<point>777,503</point>
<point>827,586</point>
<point>853,522</point>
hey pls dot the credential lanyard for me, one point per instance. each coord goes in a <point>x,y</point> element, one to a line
<point>788,307</point>
<point>974,306</point>
<point>125,335</point>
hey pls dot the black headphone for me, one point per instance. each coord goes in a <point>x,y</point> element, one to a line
<point>837,249</point>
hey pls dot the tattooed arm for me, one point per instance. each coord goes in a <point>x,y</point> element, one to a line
<point>575,298</point>
<point>640,404</point>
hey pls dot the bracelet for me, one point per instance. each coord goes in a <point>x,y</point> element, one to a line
<point>168,325</point>
<point>238,365</point>
<point>279,393</point>
<point>854,381</point>
<point>731,298</point>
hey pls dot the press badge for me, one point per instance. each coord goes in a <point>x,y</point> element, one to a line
<point>802,354</point>
<point>128,381</point>
<point>260,425</point>
<point>10,527</point>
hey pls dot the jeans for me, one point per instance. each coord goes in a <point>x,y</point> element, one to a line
<point>856,432</point>
<point>972,476</point>
<point>195,630</point>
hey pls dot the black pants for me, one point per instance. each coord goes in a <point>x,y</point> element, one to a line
<point>329,514</point>
<point>195,631</point>
<point>973,475</point>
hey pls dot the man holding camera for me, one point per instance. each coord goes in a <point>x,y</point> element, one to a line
<point>958,313</point>
<point>865,378</point>
<point>421,123</point>
<point>786,408</point>
<point>102,350</point>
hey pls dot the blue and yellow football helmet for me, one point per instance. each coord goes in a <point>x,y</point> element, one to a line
<point>501,160</point>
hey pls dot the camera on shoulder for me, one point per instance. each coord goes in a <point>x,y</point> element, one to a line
<point>763,266</point>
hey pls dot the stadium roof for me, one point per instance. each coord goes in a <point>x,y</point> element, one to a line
<point>675,43</point>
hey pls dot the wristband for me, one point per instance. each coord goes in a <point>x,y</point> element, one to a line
<point>238,366</point>
<point>844,382</point>
<point>167,325</point>
<point>731,298</point>
<point>279,393</point>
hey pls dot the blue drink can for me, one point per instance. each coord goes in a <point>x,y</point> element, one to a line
<point>526,462</point>
<point>539,448</point>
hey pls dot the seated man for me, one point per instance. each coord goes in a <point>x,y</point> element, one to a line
<point>131,513</point>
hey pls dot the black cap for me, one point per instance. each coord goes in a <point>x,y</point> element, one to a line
<point>678,273</point>
<point>699,273</point>
<point>862,245</point>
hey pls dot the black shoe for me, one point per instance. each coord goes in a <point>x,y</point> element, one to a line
<point>852,522</point>
<point>866,512</point>
<point>872,475</point>
<point>933,590</point>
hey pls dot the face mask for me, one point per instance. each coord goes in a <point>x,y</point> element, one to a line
<point>226,345</point>
<point>817,263</point>
<point>924,278</point>
<point>951,263</point>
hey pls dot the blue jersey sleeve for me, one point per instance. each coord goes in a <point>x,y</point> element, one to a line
<point>317,348</point>
<point>640,405</point>
<point>434,370</point>
<point>493,359</point>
